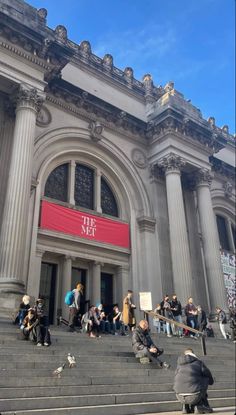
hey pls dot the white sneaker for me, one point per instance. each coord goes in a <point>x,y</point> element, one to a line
<point>46,344</point>
<point>39,344</point>
<point>169,335</point>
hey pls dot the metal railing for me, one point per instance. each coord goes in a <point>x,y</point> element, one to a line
<point>200,334</point>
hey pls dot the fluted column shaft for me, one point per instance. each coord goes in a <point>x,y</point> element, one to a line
<point>15,217</point>
<point>96,283</point>
<point>211,242</point>
<point>179,244</point>
<point>66,284</point>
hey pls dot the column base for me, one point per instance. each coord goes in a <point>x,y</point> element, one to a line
<point>11,293</point>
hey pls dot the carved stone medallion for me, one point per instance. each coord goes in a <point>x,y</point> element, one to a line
<point>44,117</point>
<point>139,158</point>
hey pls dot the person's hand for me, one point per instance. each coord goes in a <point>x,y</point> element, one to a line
<point>153,349</point>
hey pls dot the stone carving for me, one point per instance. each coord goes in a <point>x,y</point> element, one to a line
<point>43,117</point>
<point>139,158</point>
<point>148,83</point>
<point>225,128</point>
<point>169,86</point>
<point>212,121</point>
<point>128,73</point>
<point>228,189</point>
<point>42,13</point>
<point>107,61</point>
<point>96,130</point>
<point>30,97</point>
<point>171,162</point>
<point>61,33</point>
<point>204,176</point>
<point>85,48</point>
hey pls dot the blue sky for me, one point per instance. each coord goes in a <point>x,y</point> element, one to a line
<point>190,42</point>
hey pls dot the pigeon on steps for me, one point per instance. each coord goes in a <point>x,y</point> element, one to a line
<point>71,360</point>
<point>57,372</point>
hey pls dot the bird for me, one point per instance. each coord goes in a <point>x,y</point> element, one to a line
<point>57,372</point>
<point>71,360</point>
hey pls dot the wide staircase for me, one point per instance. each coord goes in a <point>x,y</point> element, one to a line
<point>107,380</point>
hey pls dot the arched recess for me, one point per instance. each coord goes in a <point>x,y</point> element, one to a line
<point>224,209</point>
<point>60,145</point>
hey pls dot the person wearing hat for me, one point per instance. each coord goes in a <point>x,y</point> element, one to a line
<point>42,329</point>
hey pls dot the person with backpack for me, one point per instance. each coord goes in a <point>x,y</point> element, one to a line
<point>73,299</point>
<point>222,320</point>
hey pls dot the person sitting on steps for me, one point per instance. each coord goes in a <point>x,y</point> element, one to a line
<point>144,348</point>
<point>192,378</point>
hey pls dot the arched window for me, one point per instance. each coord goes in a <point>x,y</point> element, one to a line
<point>84,186</point>
<point>108,201</point>
<point>57,183</point>
<point>83,193</point>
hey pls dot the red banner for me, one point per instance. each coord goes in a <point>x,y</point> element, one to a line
<point>73,222</point>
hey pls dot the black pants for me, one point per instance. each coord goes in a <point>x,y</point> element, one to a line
<point>42,334</point>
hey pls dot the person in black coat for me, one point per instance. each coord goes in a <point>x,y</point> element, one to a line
<point>201,319</point>
<point>192,378</point>
<point>143,346</point>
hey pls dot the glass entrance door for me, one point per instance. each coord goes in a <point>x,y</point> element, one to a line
<point>107,291</point>
<point>47,288</point>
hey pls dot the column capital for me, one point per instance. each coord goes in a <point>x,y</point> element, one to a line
<point>204,177</point>
<point>171,163</point>
<point>29,97</point>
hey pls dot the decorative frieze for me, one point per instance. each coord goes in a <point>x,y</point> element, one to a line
<point>228,189</point>
<point>223,169</point>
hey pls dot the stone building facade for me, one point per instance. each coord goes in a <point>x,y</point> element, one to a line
<point>104,179</point>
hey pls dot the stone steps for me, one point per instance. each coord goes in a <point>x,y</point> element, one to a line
<point>107,379</point>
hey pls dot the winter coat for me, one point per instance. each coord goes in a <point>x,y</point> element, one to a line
<point>141,339</point>
<point>128,311</point>
<point>176,308</point>
<point>191,375</point>
<point>202,320</point>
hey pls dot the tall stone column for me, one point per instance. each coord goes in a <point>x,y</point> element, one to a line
<point>96,283</point>
<point>122,283</point>
<point>15,216</point>
<point>97,201</point>
<point>180,253</point>
<point>210,239</point>
<point>66,284</point>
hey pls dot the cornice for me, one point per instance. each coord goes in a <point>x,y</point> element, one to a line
<point>80,103</point>
<point>173,122</point>
<point>222,169</point>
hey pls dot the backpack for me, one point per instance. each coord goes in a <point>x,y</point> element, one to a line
<point>69,298</point>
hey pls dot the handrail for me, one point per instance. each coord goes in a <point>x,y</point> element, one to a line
<point>183,326</point>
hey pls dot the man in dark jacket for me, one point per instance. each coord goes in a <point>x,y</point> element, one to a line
<point>143,346</point>
<point>192,378</point>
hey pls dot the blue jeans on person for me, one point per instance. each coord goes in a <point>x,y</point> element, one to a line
<point>105,326</point>
<point>168,331</point>
<point>157,324</point>
<point>175,328</point>
<point>191,322</point>
<point>22,314</point>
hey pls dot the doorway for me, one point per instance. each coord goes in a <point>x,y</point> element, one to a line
<point>107,292</point>
<point>47,288</point>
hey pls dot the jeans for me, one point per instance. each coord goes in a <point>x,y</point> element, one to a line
<point>191,322</point>
<point>176,329</point>
<point>73,317</point>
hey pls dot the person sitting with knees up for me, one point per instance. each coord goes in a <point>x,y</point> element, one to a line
<point>144,348</point>
<point>28,325</point>
<point>23,310</point>
<point>91,322</point>
<point>192,378</point>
